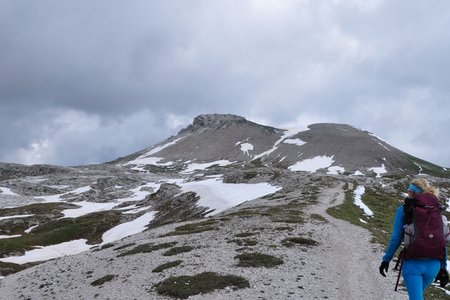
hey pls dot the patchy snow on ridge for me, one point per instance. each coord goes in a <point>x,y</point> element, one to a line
<point>49,252</point>
<point>7,191</point>
<point>15,217</point>
<point>379,170</point>
<point>297,142</point>
<point>148,159</point>
<point>220,196</point>
<point>202,166</point>
<point>359,191</point>
<point>335,170</point>
<point>87,208</point>
<point>312,164</point>
<point>126,229</point>
<point>245,147</point>
<point>9,236</point>
<point>288,133</point>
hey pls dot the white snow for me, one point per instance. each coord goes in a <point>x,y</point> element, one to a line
<point>384,146</point>
<point>245,147</point>
<point>138,194</point>
<point>135,210</point>
<point>336,170</point>
<point>50,252</point>
<point>358,173</point>
<point>359,191</point>
<point>197,166</point>
<point>127,229</point>
<point>57,198</point>
<point>31,228</point>
<point>87,208</point>
<point>362,221</point>
<point>420,167</point>
<point>9,236</point>
<point>148,159</point>
<point>90,207</point>
<point>379,170</point>
<point>220,196</point>
<point>297,142</point>
<point>15,217</point>
<point>7,191</point>
<point>312,164</point>
<point>288,133</point>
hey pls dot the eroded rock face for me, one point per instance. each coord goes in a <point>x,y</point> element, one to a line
<point>214,121</point>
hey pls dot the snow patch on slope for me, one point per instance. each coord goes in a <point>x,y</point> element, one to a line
<point>126,229</point>
<point>312,164</point>
<point>359,191</point>
<point>220,196</point>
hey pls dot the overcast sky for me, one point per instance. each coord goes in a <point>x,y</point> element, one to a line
<point>88,81</point>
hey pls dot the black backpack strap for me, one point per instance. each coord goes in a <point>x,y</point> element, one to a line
<point>408,208</point>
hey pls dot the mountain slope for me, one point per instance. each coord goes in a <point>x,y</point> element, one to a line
<point>334,148</point>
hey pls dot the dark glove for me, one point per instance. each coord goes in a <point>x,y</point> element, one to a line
<point>442,277</point>
<point>384,268</point>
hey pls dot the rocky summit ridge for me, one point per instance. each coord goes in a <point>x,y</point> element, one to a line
<point>225,209</point>
<point>325,147</point>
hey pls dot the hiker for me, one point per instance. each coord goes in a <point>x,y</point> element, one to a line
<point>419,269</point>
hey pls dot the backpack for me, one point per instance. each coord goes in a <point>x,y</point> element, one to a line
<point>425,232</point>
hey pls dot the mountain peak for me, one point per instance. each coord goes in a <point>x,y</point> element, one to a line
<point>213,121</point>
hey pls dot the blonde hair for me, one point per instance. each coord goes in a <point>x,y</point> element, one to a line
<point>426,186</point>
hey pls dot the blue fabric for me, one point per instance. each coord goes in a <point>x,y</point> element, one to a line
<point>414,188</point>
<point>418,275</point>
<point>397,235</point>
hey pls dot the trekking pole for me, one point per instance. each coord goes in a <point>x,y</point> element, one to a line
<point>399,261</point>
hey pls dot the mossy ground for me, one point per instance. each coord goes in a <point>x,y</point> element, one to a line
<point>168,265</point>
<point>185,286</point>
<point>102,280</point>
<point>147,248</point>
<point>300,241</point>
<point>90,227</point>
<point>255,260</point>
<point>192,228</point>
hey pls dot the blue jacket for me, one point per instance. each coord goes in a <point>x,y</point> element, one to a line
<point>397,237</point>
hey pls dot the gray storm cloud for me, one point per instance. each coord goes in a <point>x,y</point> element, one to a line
<point>87,81</point>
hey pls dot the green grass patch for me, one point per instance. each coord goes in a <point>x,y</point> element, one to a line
<point>193,228</point>
<point>178,250</point>
<point>250,174</point>
<point>185,286</point>
<point>258,260</point>
<point>319,218</point>
<point>38,209</point>
<point>245,234</point>
<point>289,213</point>
<point>245,242</point>
<point>90,227</point>
<point>124,246</point>
<point>147,248</point>
<point>166,266</point>
<point>293,241</point>
<point>284,228</point>
<point>102,280</point>
<point>10,268</point>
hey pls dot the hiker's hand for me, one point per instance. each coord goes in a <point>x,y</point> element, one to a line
<point>442,277</point>
<point>384,268</point>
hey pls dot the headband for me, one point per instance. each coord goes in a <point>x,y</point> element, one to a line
<point>414,188</point>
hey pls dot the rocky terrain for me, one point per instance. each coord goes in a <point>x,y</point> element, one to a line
<point>226,209</point>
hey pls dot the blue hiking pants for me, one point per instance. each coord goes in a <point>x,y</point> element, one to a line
<point>418,275</point>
